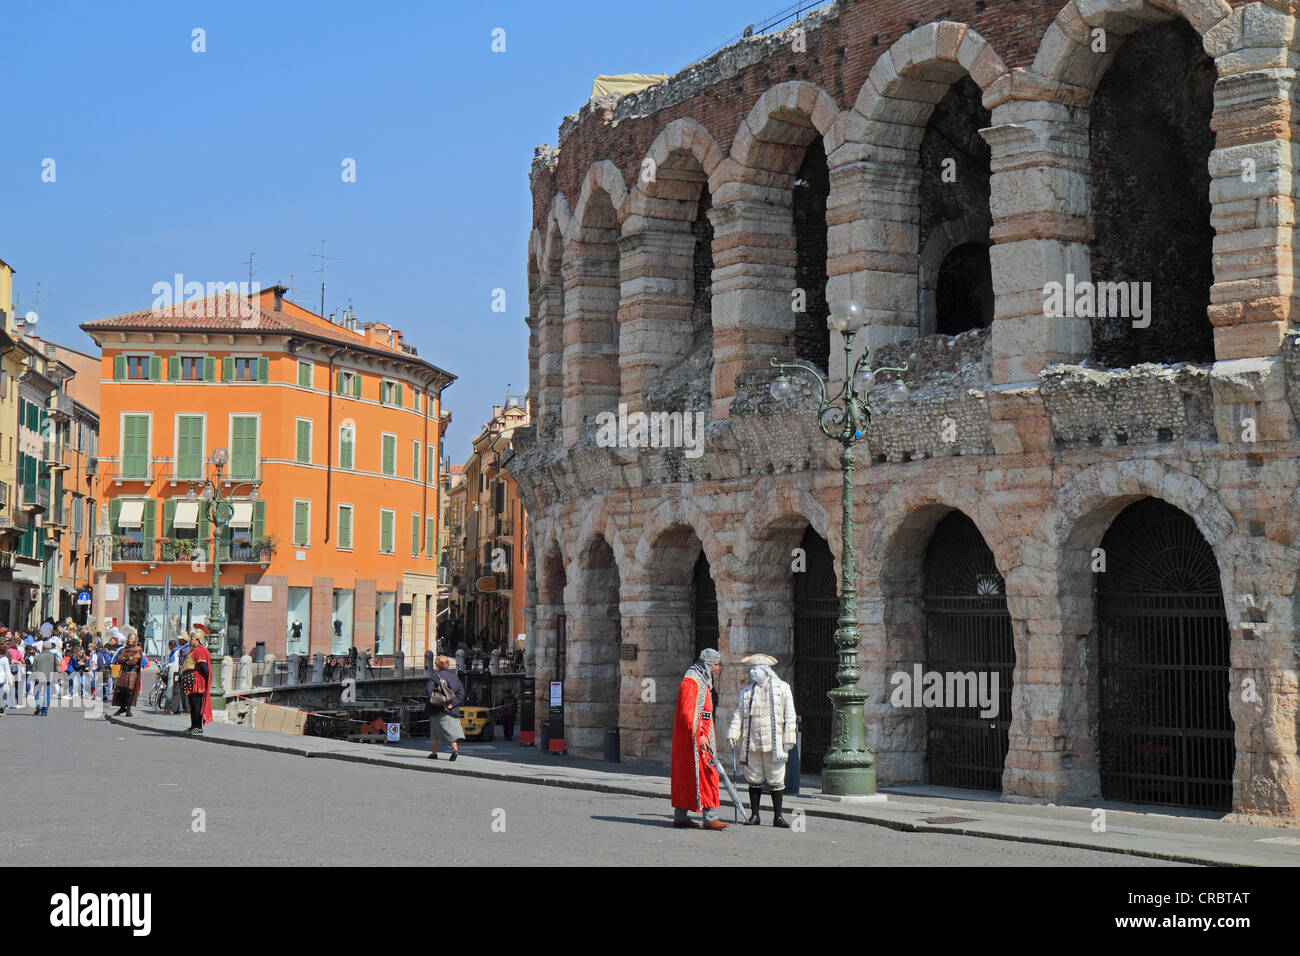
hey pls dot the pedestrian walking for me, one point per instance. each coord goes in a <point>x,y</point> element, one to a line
<point>444,694</point>
<point>126,689</point>
<point>695,781</point>
<point>196,683</point>
<point>45,665</point>
<point>508,714</point>
<point>16,667</point>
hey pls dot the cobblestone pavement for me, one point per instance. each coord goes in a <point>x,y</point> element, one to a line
<point>266,808</point>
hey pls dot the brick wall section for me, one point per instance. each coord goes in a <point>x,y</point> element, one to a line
<point>322,615</point>
<point>363,611</point>
<point>265,620</point>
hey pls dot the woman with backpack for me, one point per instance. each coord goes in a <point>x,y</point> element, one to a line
<point>444,693</point>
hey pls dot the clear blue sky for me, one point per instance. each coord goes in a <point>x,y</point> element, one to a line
<point>168,160</point>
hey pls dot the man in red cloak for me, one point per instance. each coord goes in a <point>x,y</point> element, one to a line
<point>197,684</point>
<point>694,771</point>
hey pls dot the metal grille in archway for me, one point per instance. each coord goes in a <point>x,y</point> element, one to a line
<point>816,616</point>
<point>968,643</point>
<point>704,606</point>
<point>1166,733</point>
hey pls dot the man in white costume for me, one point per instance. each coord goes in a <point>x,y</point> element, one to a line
<point>765,728</point>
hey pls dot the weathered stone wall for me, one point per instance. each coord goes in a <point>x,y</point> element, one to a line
<point>1013,425</point>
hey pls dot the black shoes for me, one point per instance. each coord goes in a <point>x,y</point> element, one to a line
<point>755,796</point>
<point>777,819</point>
<point>433,756</point>
<point>452,758</point>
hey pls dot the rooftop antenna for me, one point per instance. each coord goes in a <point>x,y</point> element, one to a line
<point>292,288</point>
<point>322,257</point>
<point>250,269</point>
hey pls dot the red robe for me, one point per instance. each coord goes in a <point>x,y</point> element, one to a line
<point>694,782</point>
<point>202,684</point>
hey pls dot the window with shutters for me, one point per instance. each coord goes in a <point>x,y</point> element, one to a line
<point>243,446</point>
<point>301,523</point>
<point>429,531</point>
<point>344,537</point>
<point>137,366</point>
<point>386,518</point>
<point>347,443</point>
<point>189,446</point>
<point>191,368</point>
<point>302,441</point>
<point>245,369</point>
<point>135,446</point>
<point>304,373</point>
<point>388,454</point>
<point>390,392</point>
<point>347,383</point>
<point>415,459</point>
<point>415,535</point>
<point>429,469</point>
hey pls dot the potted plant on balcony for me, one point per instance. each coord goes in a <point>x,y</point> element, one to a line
<point>166,549</point>
<point>265,546</point>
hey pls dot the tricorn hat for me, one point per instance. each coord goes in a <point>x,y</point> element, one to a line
<point>759,660</point>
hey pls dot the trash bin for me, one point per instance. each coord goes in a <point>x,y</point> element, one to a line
<point>259,652</point>
<point>612,745</point>
<point>544,737</point>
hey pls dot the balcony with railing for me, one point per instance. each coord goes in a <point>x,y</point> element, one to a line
<point>131,469</point>
<point>55,455</point>
<point>60,406</point>
<point>34,498</point>
<point>129,549</point>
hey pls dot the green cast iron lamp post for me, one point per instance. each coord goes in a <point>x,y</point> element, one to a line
<point>849,767</point>
<point>220,511</point>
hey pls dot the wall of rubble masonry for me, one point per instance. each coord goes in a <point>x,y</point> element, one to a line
<point>1018,425</point>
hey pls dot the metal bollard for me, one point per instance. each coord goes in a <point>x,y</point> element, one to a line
<point>612,746</point>
<point>318,668</point>
<point>399,662</point>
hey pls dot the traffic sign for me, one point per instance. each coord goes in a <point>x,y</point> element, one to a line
<point>83,597</point>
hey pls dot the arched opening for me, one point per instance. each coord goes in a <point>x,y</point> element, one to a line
<point>816,616</point>
<point>550,337</point>
<point>704,605</point>
<point>591,300</point>
<point>954,211</point>
<point>1166,731</point>
<point>702,273</point>
<point>811,188</point>
<point>970,659</point>
<point>590,663</point>
<point>1150,142</point>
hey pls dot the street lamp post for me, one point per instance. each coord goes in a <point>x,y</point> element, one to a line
<point>220,511</point>
<point>845,418</point>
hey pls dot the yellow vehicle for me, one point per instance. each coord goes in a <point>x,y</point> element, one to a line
<point>476,722</point>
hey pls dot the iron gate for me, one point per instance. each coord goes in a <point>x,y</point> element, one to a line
<point>1166,734</point>
<point>967,632</point>
<point>816,616</point>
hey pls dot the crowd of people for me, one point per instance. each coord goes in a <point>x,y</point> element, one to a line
<point>86,665</point>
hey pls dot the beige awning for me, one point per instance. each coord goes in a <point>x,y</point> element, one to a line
<point>243,516</point>
<point>187,515</point>
<point>131,515</point>
<point>624,83</point>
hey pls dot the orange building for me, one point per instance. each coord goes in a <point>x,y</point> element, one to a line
<point>332,438</point>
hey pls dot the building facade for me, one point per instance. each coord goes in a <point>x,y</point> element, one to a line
<point>1073,225</point>
<point>490,535</point>
<point>330,433</point>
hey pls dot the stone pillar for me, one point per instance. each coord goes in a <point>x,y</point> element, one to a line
<point>318,668</point>
<point>1252,192</point>
<point>658,621</point>
<point>590,359</point>
<point>550,323</point>
<point>753,282</point>
<point>655,302</point>
<point>399,664</point>
<point>1039,203</point>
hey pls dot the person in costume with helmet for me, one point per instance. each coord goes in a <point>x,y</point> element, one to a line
<point>765,727</point>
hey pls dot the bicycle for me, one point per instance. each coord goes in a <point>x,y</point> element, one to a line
<point>158,693</point>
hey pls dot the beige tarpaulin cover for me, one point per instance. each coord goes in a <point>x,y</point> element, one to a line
<point>624,83</point>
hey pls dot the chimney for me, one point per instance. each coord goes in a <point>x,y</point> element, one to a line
<point>279,298</point>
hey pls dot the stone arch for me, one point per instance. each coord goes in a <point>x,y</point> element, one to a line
<point>1065,53</point>
<point>550,319</point>
<point>590,357</point>
<point>679,512</point>
<point>876,256</point>
<point>590,664</point>
<point>667,245</point>
<point>769,144</point>
<point>942,241</point>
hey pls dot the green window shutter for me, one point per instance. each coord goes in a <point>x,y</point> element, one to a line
<point>385,531</point>
<point>189,446</point>
<point>209,368</point>
<point>356,384</point>
<point>119,367</point>
<point>304,375</point>
<point>345,528</point>
<point>228,368</point>
<point>389,454</point>
<point>114,509</point>
<point>169,515</point>
<point>155,368</point>
<point>174,368</point>
<point>263,369</point>
<point>304,442</point>
<point>338,385</point>
<point>147,525</point>
<point>415,459</point>
<point>259,519</point>
<point>243,450</point>
<point>428,536</point>
<point>300,516</point>
<point>203,524</point>
<point>399,393</point>
<point>135,446</point>
<point>415,535</point>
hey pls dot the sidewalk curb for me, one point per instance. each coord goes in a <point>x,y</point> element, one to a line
<point>625,790</point>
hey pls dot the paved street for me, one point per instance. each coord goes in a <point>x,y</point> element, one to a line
<point>266,808</point>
